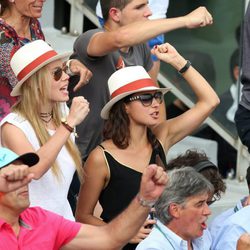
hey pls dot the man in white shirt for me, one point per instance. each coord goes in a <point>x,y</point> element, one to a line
<point>181,212</point>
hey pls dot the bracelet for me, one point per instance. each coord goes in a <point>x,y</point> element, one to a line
<point>67,68</point>
<point>67,126</point>
<point>145,203</point>
<point>185,68</point>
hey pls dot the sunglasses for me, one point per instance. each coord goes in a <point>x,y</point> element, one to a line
<point>147,98</point>
<point>57,73</point>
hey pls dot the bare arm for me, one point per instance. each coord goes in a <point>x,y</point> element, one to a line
<point>104,42</point>
<point>117,233</point>
<point>77,68</point>
<point>173,130</point>
<point>96,174</point>
<point>14,138</point>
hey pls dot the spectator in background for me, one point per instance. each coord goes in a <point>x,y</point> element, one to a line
<point>159,10</point>
<point>218,222</point>
<point>235,74</point>
<point>242,116</point>
<point>181,212</point>
<point>19,25</point>
<point>36,124</point>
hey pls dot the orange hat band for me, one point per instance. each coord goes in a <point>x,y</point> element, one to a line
<point>25,71</point>
<point>136,85</point>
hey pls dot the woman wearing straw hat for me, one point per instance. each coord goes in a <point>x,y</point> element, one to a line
<point>36,124</point>
<point>113,169</point>
<point>19,25</point>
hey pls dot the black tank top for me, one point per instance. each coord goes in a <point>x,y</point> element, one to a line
<point>124,184</point>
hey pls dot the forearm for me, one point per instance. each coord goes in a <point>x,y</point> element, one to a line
<point>49,152</point>
<point>89,219</point>
<point>127,224</point>
<point>202,89</point>
<point>142,31</point>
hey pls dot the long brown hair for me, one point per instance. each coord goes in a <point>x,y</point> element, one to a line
<point>34,94</point>
<point>117,127</point>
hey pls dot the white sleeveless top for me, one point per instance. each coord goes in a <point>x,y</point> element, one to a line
<point>48,192</point>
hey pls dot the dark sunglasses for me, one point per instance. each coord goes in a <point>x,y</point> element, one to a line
<point>147,98</point>
<point>57,73</point>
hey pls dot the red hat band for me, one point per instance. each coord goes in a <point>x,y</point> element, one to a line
<point>136,85</point>
<point>26,70</point>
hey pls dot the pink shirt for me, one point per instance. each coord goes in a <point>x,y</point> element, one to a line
<point>40,230</point>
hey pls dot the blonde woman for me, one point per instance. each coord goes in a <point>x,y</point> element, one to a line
<point>37,124</point>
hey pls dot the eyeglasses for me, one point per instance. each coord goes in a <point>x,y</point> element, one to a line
<point>57,73</point>
<point>147,98</point>
<point>210,202</point>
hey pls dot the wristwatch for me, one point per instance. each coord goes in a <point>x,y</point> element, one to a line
<point>145,203</point>
<point>185,68</point>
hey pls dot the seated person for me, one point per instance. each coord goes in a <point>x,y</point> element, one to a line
<point>217,223</point>
<point>232,229</point>
<point>199,161</point>
<point>35,228</point>
<point>181,212</point>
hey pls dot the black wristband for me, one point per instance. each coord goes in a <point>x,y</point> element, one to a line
<point>185,68</point>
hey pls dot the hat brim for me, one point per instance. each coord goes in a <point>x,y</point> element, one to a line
<point>16,89</point>
<point>29,159</point>
<point>106,109</point>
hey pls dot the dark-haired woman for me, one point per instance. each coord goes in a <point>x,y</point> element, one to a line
<point>134,137</point>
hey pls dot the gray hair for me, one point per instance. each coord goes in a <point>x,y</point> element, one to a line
<point>182,184</point>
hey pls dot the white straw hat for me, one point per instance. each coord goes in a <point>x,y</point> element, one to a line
<point>127,81</point>
<point>29,59</point>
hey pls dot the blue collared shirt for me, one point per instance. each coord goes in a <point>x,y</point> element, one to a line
<point>162,238</point>
<point>232,229</point>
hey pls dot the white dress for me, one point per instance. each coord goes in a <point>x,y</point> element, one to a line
<point>48,192</point>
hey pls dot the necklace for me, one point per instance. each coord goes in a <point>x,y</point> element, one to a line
<point>46,117</point>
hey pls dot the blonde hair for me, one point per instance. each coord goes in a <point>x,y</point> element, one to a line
<point>34,94</point>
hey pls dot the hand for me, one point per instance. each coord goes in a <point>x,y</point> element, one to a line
<point>13,177</point>
<point>243,242</point>
<point>200,17</point>
<point>78,111</point>
<point>153,182</point>
<point>85,74</point>
<point>167,53</point>
<point>247,201</point>
<point>143,232</point>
